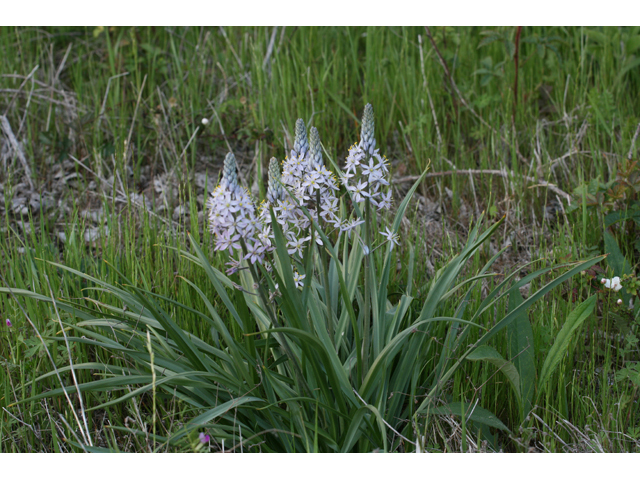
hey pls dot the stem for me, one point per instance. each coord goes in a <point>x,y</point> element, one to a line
<point>366,318</point>
<point>274,320</point>
<point>515,82</point>
<point>325,275</point>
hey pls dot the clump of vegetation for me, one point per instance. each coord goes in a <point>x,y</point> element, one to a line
<point>156,298</point>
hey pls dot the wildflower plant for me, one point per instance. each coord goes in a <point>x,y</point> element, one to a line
<point>308,350</point>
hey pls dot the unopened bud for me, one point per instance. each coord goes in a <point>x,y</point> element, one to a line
<point>301,144</point>
<point>274,185</point>
<point>230,172</point>
<point>315,149</point>
<point>367,135</point>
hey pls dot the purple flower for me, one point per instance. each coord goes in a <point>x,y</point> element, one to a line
<point>9,324</point>
<point>204,438</point>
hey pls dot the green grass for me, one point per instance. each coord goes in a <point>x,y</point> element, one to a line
<point>128,103</point>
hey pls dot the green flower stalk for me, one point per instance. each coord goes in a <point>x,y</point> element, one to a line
<point>315,149</point>
<point>230,172</point>
<point>274,186</point>
<point>367,140</point>
<point>301,144</point>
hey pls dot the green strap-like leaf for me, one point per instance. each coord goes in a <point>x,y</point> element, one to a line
<point>490,355</point>
<point>521,352</point>
<point>478,414</point>
<point>574,320</point>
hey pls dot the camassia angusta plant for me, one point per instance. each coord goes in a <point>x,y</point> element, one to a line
<point>305,348</point>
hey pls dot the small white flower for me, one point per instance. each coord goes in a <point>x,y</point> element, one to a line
<point>385,202</point>
<point>298,279</point>
<point>391,236</point>
<point>296,245</point>
<point>613,283</point>
<point>347,226</point>
<point>205,121</point>
<point>254,252</point>
<point>359,192</point>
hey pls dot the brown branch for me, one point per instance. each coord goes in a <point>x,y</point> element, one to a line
<point>515,82</point>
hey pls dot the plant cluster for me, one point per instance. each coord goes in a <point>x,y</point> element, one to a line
<point>307,351</point>
<point>616,206</point>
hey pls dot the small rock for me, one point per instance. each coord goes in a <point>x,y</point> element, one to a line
<point>47,203</point>
<point>18,205</point>
<point>179,212</point>
<point>93,233</point>
<point>34,203</point>
<point>62,237</point>
<point>139,199</point>
<point>25,227</point>
<point>93,215</point>
<point>202,180</point>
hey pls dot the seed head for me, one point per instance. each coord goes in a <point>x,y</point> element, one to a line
<point>301,144</point>
<point>367,140</point>
<point>315,149</point>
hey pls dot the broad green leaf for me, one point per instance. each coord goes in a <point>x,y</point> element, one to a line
<point>615,259</point>
<point>490,355</point>
<point>559,348</point>
<point>478,414</point>
<point>521,351</point>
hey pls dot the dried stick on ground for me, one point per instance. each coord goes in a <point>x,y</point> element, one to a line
<point>500,173</point>
<point>15,146</point>
<point>633,143</point>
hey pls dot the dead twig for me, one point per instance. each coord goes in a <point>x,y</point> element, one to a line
<point>633,143</point>
<point>17,148</point>
<point>19,90</point>
<point>500,173</point>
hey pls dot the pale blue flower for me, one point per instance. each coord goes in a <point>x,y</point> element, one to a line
<point>391,236</point>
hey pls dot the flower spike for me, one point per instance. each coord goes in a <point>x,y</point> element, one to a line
<point>301,144</point>
<point>274,186</point>
<point>367,139</point>
<point>315,149</point>
<point>230,172</point>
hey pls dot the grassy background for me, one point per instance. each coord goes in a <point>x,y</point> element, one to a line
<point>123,107</point>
